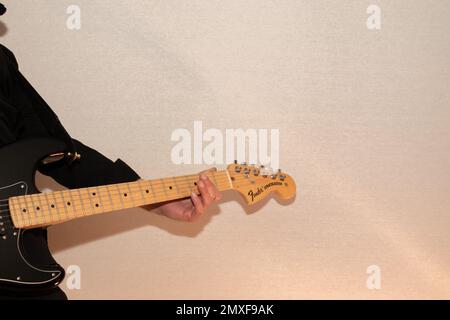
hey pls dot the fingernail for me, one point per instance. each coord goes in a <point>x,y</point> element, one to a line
<point>201,184</point>
<point>194,194</point>
<point>203,177</point>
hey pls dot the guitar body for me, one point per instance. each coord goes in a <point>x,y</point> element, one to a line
<point>26,262</point>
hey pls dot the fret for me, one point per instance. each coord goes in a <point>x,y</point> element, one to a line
<point>180,186</point>
<point>16,214</point>
<point>76,203</point>
<point>119,195</point>
<point>133,194</point>
<point>21,219</point>
<point>25,213</point>
<point>33,214</point>
<point>99,203</point>
<point>31,209</point>
<point>124,195</point>
<point>62,205</point>
<point>53,206</point>
<point>139,185</point>
<point>101,200</point>
<point>82,201</point>
<point>90,196</point>
<point>115,197</point>
<point>129,194</point>
<point>48,212</point>
<point>69,204</point>
<point>184,185</point>
<point>163,187</point>
<point>42,209</point>
<point>94,200</point>
<point>175,185</point>
<point>172,189</point>
<point>61,211</point>
<point>113,207</point>
<point>153,191</point>
<point>191,185</point>
<point>81,208</point>
<point>106,200</point>
<point>172,192</point>
<point>22,205</point>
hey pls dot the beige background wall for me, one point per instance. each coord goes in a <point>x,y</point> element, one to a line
<point>364,129</point>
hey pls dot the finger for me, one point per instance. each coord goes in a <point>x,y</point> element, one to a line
<point>213,169</point>
<point>218,195</point>
<point>204,173</point>
<point>209,186</point>
<point>198,205</point>
<point>214,191</point>
<point>204,193</point>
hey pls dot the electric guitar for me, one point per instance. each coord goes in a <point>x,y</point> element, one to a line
<point>26,262</point>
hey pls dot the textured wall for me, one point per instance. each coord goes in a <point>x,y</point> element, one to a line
<point>363,117</point>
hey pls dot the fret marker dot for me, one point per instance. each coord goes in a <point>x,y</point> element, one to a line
<point>125,194</point>
<point>146,191</point>
<point>170,187</point>
<point>68,203</point>
<point>93,193</point>
<point>96,204</point>
<point>37,208</point>
<point>52,206</point>
<point>24,210</point>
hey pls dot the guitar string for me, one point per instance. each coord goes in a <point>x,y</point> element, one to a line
<point>151,184</point>
<point>156,183</point>
<point>246,183</point>
<point>134,190</point>
<point>139,188</point>
<point>134,186</point>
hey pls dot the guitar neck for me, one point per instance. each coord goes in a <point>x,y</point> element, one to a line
<point>42,209</point>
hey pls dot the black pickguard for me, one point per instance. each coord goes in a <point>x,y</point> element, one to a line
<point>25,260</point>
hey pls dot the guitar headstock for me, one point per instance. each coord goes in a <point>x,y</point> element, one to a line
<point>257,182</point>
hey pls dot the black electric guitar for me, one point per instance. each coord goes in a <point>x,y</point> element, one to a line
<point>26,262</point>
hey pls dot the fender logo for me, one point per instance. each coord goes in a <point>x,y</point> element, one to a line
<point>260,190</point>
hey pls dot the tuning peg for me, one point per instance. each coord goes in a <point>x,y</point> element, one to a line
<point>235,161</point>
<point>279,170</point>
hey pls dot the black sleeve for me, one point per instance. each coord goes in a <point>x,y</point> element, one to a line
<point>92,169</point>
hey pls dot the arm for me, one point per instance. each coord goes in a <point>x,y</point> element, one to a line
<point>92,169</point>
